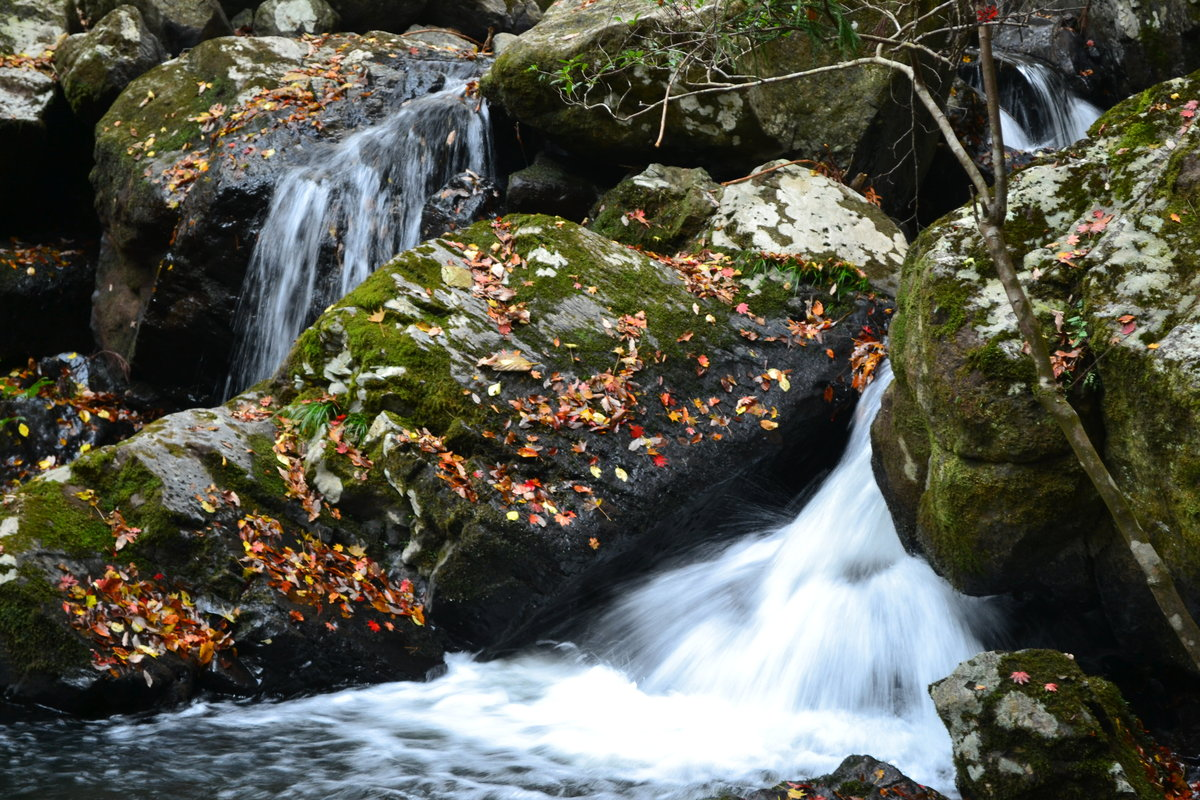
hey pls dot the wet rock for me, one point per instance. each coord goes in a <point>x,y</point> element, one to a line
<point>58,408</point>
<point>676,205</point>
<point>291,17</point>
<point>1103,241</point>
<point>464,199</point>
<point>481,18</point>
<point>862,777</point>
<point>45,300</point>
<point>1030,725</point>
<point>96,66</point>
<point>549,186</point>
<point>611,371</point>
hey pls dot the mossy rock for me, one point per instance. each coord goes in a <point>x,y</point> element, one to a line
<point>676,205</point>
<point>834,114</point>
<point>95,66</point>
<point>1105,236</point>
<point>1031,725</point>
<point>500,512</point>
<point>404,350</point>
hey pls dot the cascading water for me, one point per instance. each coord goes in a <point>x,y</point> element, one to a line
<point>1037,108</point>
<point>345,211</point>
<point>773,659</point>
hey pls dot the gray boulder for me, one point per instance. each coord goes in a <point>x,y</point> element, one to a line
<point>178,24</point>
<point>1031,725</point>
<point>978,476</point>
<point>94,67</point>
<point>291,17</point>
<point>549,186</point>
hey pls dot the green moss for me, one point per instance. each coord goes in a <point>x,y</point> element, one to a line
<point>997,365</point>
<point>59,521</point>
<point>33,630</point>
<point>856,789</point>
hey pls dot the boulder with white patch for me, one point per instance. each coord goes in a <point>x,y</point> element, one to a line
<point>979,477</point>
<point>1031,725</point>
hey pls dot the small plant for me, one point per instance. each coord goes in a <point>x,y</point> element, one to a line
<point>356,426</point>
<point>839,277</point>
<point>312,416</point>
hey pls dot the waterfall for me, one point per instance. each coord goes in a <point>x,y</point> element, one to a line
<point>772,659</point>
<point>1037,108</point>
<point>344,211</point>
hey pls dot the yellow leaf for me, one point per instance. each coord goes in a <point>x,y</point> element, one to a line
<point>1176,218</point>
<point>46,463</point>
<point>85,415</point>
<point>23,429</point>
<point>513,516</point>
<point>620,473</point>
<point>796,794</point>
<point>376,317</point>
<point>83,448</point>
<point>268,152</point>
<point>1152,346</point>
<point>493,390</point>
<point>596,471</point>
<point>784,383</point>
<point>768,424</point>
<point>207,506</point>
<point>506,361</point>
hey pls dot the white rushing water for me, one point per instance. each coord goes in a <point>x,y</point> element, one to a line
<point>772,660</point>
<point>344,212</point>
<point>1039,111</point>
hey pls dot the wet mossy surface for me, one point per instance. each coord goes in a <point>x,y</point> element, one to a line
<point>1104,236</point>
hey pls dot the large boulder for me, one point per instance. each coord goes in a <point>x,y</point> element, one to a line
<point>851,117</point>
<point>1031,725</point>
<point>511,420</point>
<point>178,24</point>
<point>95,66</point>
<point>181,206</point>
<point>291,17</point>
<point>784,208</point>
<point>979,477</point>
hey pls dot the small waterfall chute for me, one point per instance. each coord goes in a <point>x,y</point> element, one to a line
<point>345,211</point>
<point>1038,109</point>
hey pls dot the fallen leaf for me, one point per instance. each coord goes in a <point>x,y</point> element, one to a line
<point>506,361</point>
<point>620,473</point>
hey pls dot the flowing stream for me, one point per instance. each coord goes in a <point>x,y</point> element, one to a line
<point>772,659</point>
<point>345,211</point>
<point>1038,111</point>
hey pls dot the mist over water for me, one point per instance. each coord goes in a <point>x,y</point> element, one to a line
<point>774,659</point>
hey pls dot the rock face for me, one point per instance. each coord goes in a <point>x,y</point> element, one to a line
<point>178,24</point>
<point>31,121</point>
<point>1031,725</point>
<point>787,208</point>
<point>290,17</point>
<point>508,420</point>
<point>979,477</point>
<point>379,15</point>
<point>476,17</point>
<point>842,115</point>
<point>181,206</point>
<point>45,297</point>
<point>95,66</point>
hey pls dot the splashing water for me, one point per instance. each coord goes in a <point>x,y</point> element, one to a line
<point>344,212</point>
<point>1039,111</point>
<point>774,659</point>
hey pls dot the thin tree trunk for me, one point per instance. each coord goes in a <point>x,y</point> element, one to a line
<point>1158,578</point>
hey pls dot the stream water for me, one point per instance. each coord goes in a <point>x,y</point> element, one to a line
<point>346,210</point>
<point>1037,109</point>
<point>772,658</point>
